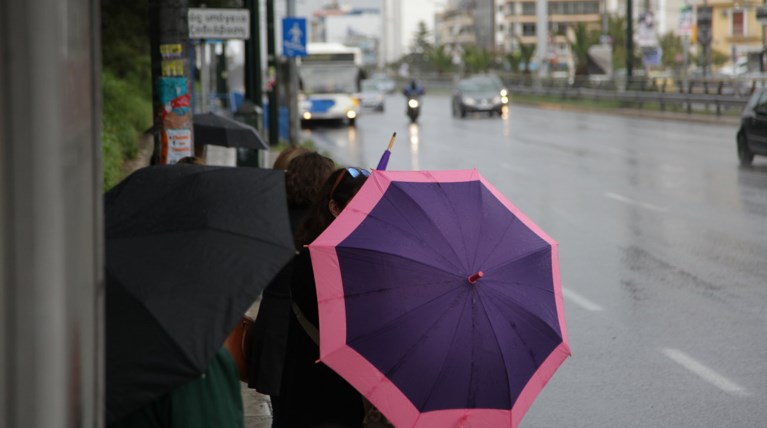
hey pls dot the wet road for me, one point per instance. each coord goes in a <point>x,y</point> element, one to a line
<point>663,249</point>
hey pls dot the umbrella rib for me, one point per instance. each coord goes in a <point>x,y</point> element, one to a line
<point>426,214</point>
<point>498,241</point>
<point>547,331</point>
<point>399,256</point>
<point>412,348</point>
<point>519,257</point>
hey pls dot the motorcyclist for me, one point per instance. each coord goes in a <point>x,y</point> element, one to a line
<point>413,90</point>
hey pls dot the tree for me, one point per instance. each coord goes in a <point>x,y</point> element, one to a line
<point>440,59</point>
<point>526,51</point>
<point>421,43</point>
<point>672,47</point>
<point>584,39</point>
<point>476,60</point>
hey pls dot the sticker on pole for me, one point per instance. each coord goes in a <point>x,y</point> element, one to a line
<point>294,37</point>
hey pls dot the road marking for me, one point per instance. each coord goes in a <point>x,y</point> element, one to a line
<point>621,198</point>
<point>580,300</point>
<point>707,374</point>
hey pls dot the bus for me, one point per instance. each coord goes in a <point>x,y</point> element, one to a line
<point>329,78</point>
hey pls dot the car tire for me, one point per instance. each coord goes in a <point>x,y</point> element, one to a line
<point>463,113</point>
<point>745,155</point>
<point>352,122</point>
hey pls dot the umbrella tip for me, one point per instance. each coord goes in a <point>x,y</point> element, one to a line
<point>474,278</point>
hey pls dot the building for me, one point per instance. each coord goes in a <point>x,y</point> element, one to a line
<point>736,32</point>
<point>466,22</point>
<point>360,27</point>
<point>519,20</point>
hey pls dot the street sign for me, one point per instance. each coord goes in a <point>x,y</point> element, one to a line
<point>685,20</point>
<point>293,37</point>
<point>207,23</point>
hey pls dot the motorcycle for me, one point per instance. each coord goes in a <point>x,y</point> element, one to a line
<point>413,108</point>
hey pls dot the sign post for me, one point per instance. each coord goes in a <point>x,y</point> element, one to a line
<point>293,46</point>
<point>704,34</point>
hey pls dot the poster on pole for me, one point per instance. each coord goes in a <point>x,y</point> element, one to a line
<point>293,37</point>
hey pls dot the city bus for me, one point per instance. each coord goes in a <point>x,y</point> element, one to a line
<point>329,78</point>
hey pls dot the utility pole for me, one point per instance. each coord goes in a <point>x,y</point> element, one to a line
<point>171,86</point>
<point>271,63</point>
<point>542,35</point>
<point>629,41</point>
<point>293,121</point>
<point>253,79</point>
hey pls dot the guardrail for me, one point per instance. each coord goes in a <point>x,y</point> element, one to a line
<point>690,101</point>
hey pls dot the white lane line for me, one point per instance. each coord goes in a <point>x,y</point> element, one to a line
<point>707,374</point>
<point>580,300</point>
<point>625,200</point>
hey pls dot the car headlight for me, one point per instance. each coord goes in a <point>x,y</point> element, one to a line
<point>351,114</point>
<point>504,92</point>
<point>469,101</point>
<point>307,115</point>
<point>412,103</point>
<point>505,99</point>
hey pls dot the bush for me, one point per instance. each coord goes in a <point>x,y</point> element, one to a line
<point>126,113</point>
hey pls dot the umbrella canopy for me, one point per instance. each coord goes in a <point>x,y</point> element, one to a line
<point>218,130</point>
<point>188,250</point>
<point>439,300</point>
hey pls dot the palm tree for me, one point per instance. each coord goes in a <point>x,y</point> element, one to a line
<point>584,39</point>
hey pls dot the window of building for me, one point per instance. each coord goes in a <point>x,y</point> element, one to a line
<point>738,23</point>
<point>528,8</point>
<point>528,29</point>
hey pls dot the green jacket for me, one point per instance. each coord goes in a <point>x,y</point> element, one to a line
<point>213,400</point>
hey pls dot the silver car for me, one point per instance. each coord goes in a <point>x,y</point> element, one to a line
<point>371,96</point>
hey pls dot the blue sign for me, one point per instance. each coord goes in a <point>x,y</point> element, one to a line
<point>294,37</point>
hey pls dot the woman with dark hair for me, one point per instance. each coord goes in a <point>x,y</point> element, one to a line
<point>312,394</point>
<point>266,340</point>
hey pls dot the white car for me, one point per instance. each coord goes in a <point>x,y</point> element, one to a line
<point>371,96</point>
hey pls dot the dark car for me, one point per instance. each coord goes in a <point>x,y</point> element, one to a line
<point>752,135</point>
<point>479,94</point>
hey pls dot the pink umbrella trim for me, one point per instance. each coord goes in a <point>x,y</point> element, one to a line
<point>357,370</point>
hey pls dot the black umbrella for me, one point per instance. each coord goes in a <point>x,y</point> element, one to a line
<point>218,130</point>
<point>188,250</point>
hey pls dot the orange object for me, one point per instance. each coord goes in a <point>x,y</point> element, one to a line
<point>236,344</point>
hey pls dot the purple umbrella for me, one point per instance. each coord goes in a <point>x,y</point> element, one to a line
<point>439,300</point>
<point>385,157</point>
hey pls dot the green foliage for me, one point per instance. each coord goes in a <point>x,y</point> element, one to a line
<point>125,114</point>
<point>514,59</point>
<point>584,39</point>
<point>672,46</point>
<point>125,39</point>
<point>616,29</point>
<point>440,59</point>
<point>526,51</point>
<point>719,58</point>
<point>476,60</point>
<point>420,43</point>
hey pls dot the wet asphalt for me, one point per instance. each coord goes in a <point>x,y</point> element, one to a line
<point>663,251</point>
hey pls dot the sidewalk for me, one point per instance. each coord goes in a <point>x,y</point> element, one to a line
<point>258,408</point>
